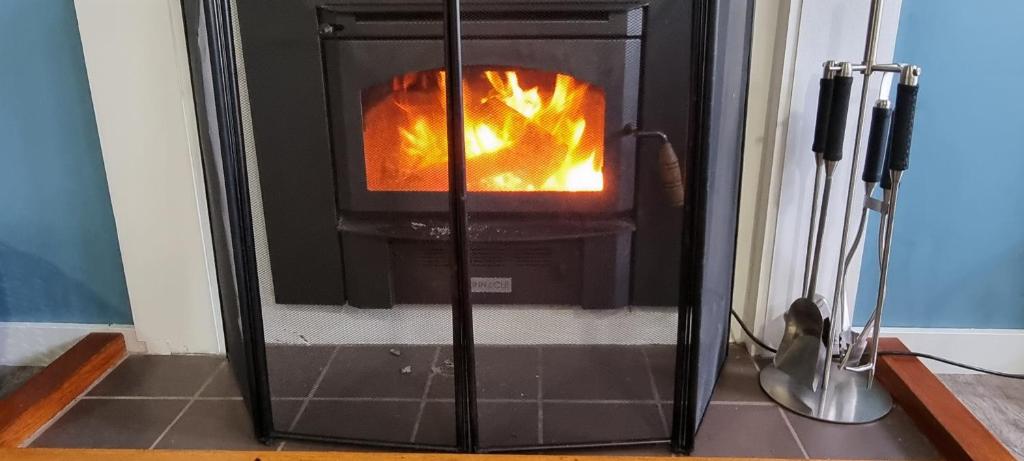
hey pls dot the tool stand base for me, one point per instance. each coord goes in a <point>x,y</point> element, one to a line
<point>849,400</point>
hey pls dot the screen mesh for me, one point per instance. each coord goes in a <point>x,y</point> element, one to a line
<point>345,373</point>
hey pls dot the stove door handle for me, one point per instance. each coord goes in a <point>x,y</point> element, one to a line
<point>671,175</point>
<point>669,169</point>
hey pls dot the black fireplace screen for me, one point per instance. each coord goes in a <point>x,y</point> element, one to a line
<point>501,277</point>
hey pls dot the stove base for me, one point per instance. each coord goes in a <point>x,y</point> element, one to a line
<point>394,262</point>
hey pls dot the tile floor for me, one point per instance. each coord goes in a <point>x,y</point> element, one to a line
<point>527,395</point>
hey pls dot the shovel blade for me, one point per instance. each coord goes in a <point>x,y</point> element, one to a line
<point>802,351</point>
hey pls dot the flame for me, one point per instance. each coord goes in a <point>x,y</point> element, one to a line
<point>547,136</point>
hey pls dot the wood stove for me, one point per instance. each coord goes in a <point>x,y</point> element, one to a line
<point>327,157</point>
<point>550,170</point>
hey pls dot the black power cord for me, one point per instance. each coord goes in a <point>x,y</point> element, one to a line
<point>922,355</point>
<point>750,334</point>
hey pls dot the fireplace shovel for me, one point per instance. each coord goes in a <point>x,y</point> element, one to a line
<point>801,353</point>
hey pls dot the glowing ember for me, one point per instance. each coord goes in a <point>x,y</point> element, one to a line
<point>525,131</point>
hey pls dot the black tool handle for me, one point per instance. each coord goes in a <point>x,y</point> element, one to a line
<point>903,126</point>
<point>878,142</point>
<point>886,177</point>
<point>837,118</point>
<point>825,87</point>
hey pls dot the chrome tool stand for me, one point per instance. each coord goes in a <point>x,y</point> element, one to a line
<point>841,392</point>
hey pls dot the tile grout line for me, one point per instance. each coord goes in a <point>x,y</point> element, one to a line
<point>754,361</point>
<point>45,427</point>
<point>742,403</point>
<point>792,431</point>
<point>654,388</point>
<point>540,395</point>
<point>312,391</point>
<point>188,405</point>
<point>423,397</point>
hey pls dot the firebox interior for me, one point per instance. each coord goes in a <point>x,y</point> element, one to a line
<point>526,130</point>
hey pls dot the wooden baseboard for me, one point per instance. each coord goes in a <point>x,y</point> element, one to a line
<point>53,454</point>
<point>954,430</point>
<point>44,395</point>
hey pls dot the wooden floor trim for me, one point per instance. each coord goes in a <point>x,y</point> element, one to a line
<point>50,454</point>
<point>44,395</point>
<point>955,431</point>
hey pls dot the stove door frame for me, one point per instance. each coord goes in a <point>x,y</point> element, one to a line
<point>611,64</point>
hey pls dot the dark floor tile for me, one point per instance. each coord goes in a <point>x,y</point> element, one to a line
<point>111,423</point>
<point>303,445</point>
<point>662,360</point>
<point>12,377</point>
<point>745,431</point>
<point>223,385</point>
<point>158,376</point>
<point>284,412</point>
<point>507,424</point>
<point>387,421</point>
<point>373,371</point>
<point>892,437</point>
<point>566,423</point>
<point>501,373</point>
<point>738,381</point>
<point>213,425</point>
<point>292,370</point>
<point>501,424</point>
<point>652,450</point>
<point>596,372</point>
<point>437,424</point>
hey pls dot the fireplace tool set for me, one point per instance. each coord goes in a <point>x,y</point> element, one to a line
<point>804,376</point>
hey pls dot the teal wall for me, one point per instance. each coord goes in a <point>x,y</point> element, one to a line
<point>958,256</point>
<point>59,256</point>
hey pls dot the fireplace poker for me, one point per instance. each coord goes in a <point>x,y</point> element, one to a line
<point>878,142</point>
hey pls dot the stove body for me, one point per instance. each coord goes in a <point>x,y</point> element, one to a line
<point>605,248</point>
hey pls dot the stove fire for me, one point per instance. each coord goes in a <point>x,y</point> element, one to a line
<point>525,131</point>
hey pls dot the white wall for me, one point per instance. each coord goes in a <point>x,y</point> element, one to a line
<point>762,165</point>
<point>137,64</point>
